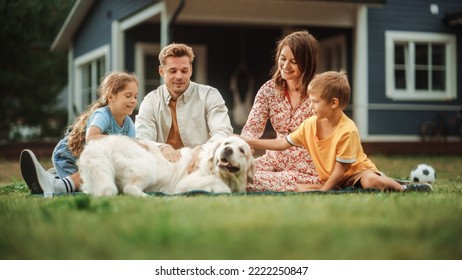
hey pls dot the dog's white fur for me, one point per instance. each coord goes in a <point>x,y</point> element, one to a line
<point>118,164</point>
<point>225,166</point>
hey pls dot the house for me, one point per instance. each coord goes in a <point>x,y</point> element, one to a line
<point>403,57</point>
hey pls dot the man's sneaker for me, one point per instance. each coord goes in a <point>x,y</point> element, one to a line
<point>419,188</point>
<point>37,178</point>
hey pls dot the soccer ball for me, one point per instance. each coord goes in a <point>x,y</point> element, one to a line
<point>423,173</point>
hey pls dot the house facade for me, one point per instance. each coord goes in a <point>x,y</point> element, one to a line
<point>402,57</point>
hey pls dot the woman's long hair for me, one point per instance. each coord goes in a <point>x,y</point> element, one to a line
<point>305,50</point>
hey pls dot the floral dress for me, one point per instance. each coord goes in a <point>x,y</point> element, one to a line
<point>279,170</point>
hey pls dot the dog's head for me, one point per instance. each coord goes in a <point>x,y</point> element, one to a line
<point>232,159</point>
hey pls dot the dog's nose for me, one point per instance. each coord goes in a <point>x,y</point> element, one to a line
<point>227,151</point>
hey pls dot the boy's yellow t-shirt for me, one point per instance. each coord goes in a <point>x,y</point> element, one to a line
<point>342,145</point>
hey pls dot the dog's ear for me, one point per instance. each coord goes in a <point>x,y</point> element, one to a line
<point>251,170</point>
<point>209,155</point>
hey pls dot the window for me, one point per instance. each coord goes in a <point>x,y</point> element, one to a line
<point>332,54</point>
<point>420,66</point>
<point>92,73</point>
<point>146,68</point>
<point>89,69</point>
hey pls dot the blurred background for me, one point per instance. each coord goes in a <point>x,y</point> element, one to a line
<point>402,58</point>
<point>33,80</point>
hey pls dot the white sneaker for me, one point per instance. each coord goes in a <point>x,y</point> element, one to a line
<point>424,187</point>
<point>37,178</point>
<point>53,172</point>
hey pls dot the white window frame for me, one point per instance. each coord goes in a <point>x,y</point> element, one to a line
<point>336,47</point>
<point>83,60</point>
<point>141,49</point>
<point>410,39</point>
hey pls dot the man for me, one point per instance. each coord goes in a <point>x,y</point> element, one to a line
<point>181,113</point>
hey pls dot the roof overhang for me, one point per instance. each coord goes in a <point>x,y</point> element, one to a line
<point>381,2</point>
<point>194,13</point>
<point>74,19</point>
<point>453,19</point>
<point>338,13</point>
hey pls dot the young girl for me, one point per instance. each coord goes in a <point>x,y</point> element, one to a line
<point>118,94</point>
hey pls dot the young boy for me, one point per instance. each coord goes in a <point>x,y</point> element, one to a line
<point>333,141</point>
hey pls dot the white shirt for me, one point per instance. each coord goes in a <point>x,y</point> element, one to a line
<point>201,113</point>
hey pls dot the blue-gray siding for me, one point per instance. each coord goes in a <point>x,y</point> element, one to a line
<point>408,15</point>
<point>95,30</point>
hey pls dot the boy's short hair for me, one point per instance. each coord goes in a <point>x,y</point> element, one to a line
<point>176,50</point>
<point>332,84</point>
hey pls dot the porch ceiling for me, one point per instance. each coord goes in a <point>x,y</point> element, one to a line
<point>454,19</point>
<point>339,13</point>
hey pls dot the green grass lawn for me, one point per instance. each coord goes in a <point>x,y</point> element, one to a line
<point>358,226</point>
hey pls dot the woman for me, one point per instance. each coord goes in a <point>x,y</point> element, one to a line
<point>284,101</point>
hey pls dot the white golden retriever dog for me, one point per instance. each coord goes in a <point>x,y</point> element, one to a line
<point>225,166</point>
<point>118,164</point>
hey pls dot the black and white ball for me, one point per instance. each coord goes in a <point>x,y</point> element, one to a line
<point>423,173</point>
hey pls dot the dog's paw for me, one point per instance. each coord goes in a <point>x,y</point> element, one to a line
<point>219,188</point>
<point>134,191</point>
<point>100,192</point>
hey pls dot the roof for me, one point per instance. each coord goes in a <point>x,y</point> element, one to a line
<point>453,19</point>
<point>73,20</point>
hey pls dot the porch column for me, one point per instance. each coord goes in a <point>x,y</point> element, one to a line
<point>360,74</point>
<point>117,47</point>
<point>119,28</point>
<point>164,38</point>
